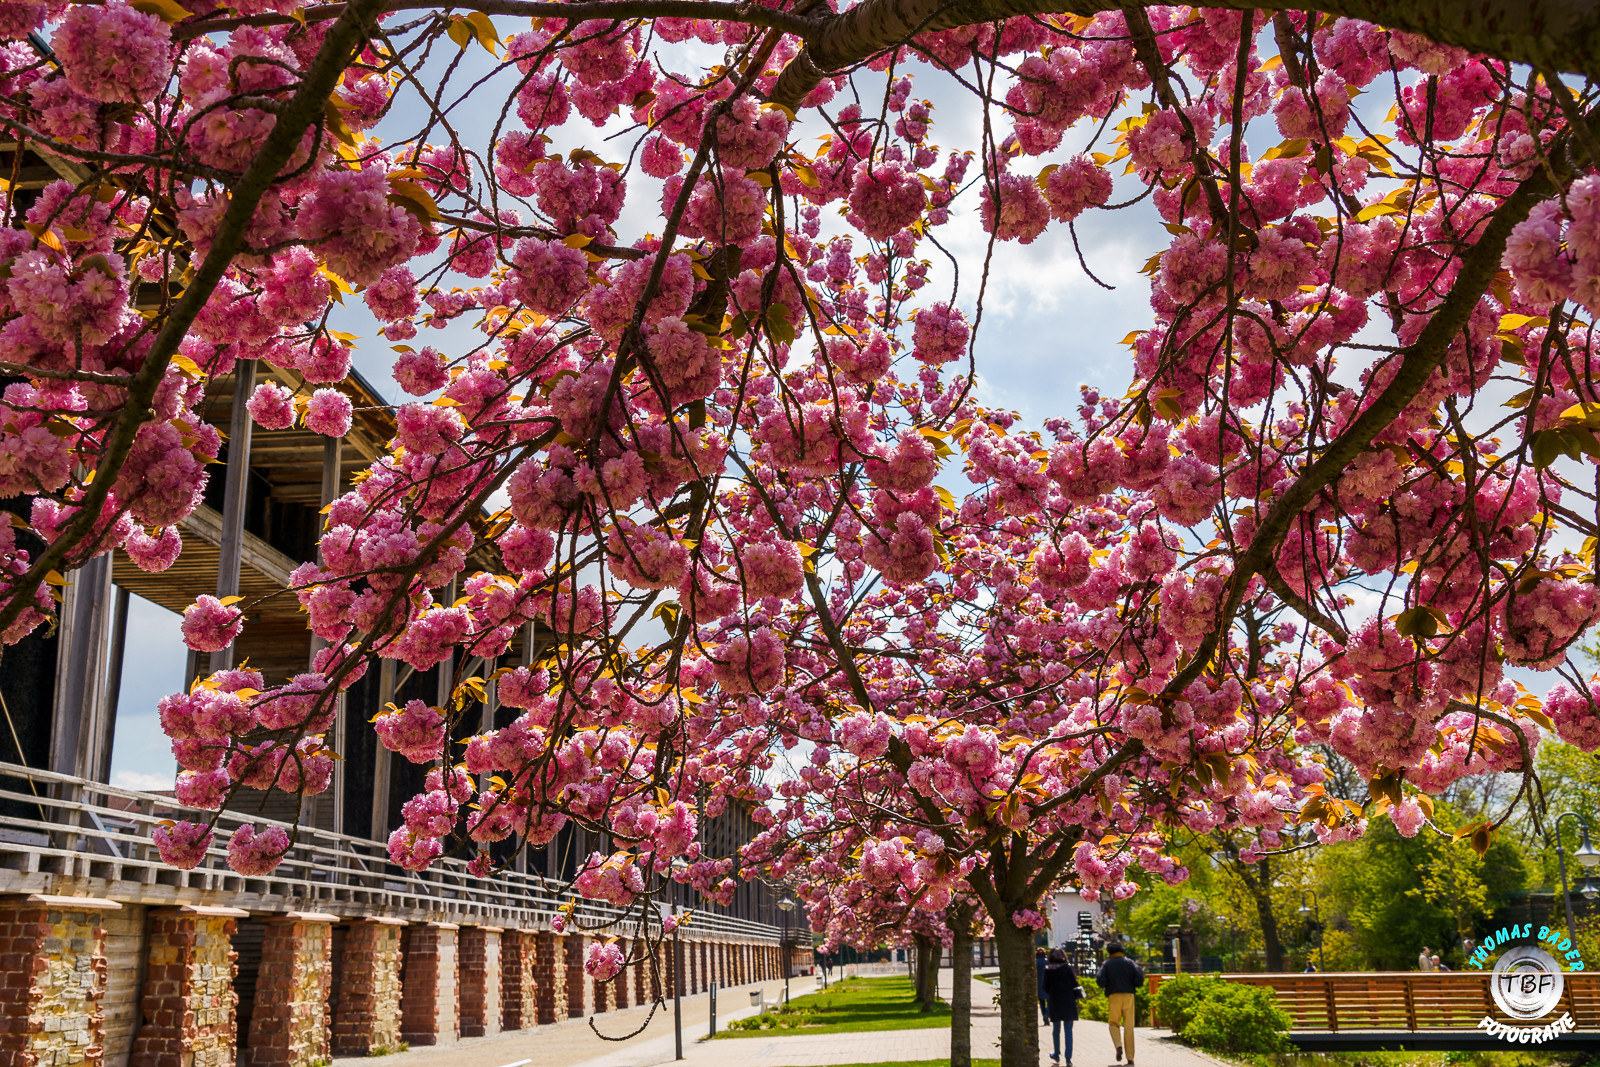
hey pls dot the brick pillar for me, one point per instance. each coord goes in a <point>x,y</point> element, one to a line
<point>52,977</point>
<point>577,982</point>
<point>187,1010</point>
<point>691,973</point>
<point>481,950</point>
<point>702,955</point>
<point>367,1019</point>
<point>623,983</point>
<point>430,986</point>
<point>289,1025</point>
<point>641,974</point>
<point>550,990</point>
<point>518,982</point>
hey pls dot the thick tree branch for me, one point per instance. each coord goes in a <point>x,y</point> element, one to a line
<point>618,10</point>
<point>1563,35</point>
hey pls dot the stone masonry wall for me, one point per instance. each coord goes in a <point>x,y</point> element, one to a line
<point>368,972</point>
<point>289,1027</point>
<point>188,1006</point>
<point>52,979</point>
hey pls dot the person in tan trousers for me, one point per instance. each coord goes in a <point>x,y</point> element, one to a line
<point>1119,978</point>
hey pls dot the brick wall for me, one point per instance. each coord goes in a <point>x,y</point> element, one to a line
<point>52,979</point>
<point>519,959</point>
<point>641,975</point>
<point>188,1008</point>
<point>367,1019</point>
<point>551,977</point>
<point>289,1026</point>
<point>622,985</point>
<point>480,981</point>
<point>577,982</point>
<point>429,990</point>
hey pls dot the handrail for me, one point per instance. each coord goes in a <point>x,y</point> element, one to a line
<point>322,865</point>
<point>1414,1001</point>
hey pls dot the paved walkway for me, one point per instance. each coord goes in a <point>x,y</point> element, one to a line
<point>574,1044</point>
<point>1092,1044</point>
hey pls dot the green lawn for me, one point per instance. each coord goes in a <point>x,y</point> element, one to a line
<point>847,1006</point>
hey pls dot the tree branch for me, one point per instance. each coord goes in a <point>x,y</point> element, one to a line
<point>1561,34</point>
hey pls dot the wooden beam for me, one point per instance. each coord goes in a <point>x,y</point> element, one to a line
<point>119,645</point>
<point>380,770</point>
<point>235,475</point>
<point>330,489</point>
<point>206,524</point>
<point>78,732</point>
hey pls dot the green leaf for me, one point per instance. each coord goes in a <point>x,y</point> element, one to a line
<point>1419,622</point>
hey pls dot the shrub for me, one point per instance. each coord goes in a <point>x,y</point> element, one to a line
<point>1178,997</point>
<point>1094,1008</point>
<point>1237,1019</point>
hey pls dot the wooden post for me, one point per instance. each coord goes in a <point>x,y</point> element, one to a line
<point>332,449</point>
<point>236,481</point>
<point>380,771</point>
<point>113,690</point>
<point>1333,1004</point>
<point>78,734</point>
<point>1411,1004</point>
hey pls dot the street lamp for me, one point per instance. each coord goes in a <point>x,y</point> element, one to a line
<point>1587,855</point>
<point>1312,915</point>
<point>786,905</point>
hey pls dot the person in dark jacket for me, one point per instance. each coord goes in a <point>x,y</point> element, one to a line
<point>1061,992</point>
<point>1119,978</point>
<point>1039,962</point>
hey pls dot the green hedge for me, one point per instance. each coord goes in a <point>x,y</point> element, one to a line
<point>1221,1016</point>
<point>1093,1005</point>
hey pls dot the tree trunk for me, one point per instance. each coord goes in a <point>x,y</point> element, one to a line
<point>1019,995</point>
<point>927,972</point>
<point>959,919</point>
<point>1259,884</point>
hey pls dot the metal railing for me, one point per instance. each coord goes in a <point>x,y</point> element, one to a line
<point>90,830</point>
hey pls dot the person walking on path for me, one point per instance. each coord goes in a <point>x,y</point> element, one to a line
<point>1039,962</point>
<point>1120,977</point>
<point>1061,992</point>
<point>1425,959</point>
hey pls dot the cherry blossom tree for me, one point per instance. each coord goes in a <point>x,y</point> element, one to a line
<point>698,428</point>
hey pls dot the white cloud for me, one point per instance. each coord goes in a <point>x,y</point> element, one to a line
<point>141,780</point>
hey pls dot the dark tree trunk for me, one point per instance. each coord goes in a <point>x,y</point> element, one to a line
<point>1259,884</point>
<point>927,972</point>
<point>1019,995</point>
<point>959,919</point>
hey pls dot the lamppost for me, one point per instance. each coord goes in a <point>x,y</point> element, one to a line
<point>1587,855</point>
<point>786,905</point>
<point>1313,917</point>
